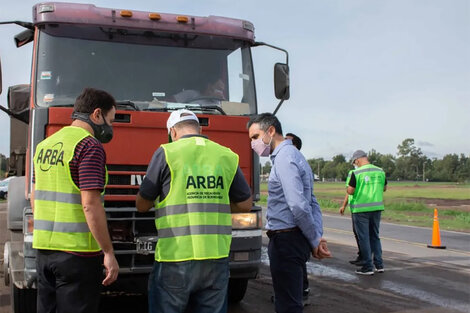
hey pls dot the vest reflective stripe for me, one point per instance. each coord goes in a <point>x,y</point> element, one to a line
<point>58,196</point>
<point>59,220</point>
<point>192,208</point>
<point>61,226</point>
<point>72,198</point>
<point>194,230</point>
<point>368,194</point>
<point>194,220</point>
<point>366,205</point>
<point>365,170</point>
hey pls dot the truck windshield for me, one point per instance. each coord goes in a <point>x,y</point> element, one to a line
<point>146,72</point>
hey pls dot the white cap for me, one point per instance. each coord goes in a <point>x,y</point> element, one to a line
<point>179,116</point>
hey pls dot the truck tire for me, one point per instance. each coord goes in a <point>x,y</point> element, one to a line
<point>22,300</point>
<point>237,289</point>
<point>16,203</point>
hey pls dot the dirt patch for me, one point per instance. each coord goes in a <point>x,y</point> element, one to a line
<point>443,204</point>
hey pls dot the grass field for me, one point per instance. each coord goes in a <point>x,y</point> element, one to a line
<point>410,203</point>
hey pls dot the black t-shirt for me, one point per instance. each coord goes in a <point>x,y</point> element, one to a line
<point>158,177</point>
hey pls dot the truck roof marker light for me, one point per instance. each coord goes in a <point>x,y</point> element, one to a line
<point>46,8</point>
<point>182,19</point>
<point>126,13</point>
<point>248,26</point>
<point>155,16</point>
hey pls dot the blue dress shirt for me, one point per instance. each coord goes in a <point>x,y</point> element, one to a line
<point>291,201</point>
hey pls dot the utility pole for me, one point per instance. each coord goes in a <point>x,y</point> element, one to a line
<point>318,173</point>
<point>424,171</point>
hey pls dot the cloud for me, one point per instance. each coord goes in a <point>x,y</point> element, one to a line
<point>424,144</point>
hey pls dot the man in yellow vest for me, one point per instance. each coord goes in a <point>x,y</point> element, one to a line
<point>366,186</point>
<point>70,230</point>
<point>194,184</point>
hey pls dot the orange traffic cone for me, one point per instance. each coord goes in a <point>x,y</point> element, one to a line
<point>436,234</point>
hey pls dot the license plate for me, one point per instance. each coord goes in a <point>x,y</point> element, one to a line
<point>145,245</point>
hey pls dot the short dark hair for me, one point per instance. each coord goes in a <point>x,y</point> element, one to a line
<point>296,141</point>
<point>266,120</point>
<point>91,99</point>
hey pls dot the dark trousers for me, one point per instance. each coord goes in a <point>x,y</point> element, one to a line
<point>357,241</point>
<point>68,283</point>
<point>367,226</point>
<point>305,277</point>
<point>288,253</point>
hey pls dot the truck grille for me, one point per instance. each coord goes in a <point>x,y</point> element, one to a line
<point>126,225</point>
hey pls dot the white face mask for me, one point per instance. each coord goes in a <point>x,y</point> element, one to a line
<point>260,147</point>
<point>355,166</point>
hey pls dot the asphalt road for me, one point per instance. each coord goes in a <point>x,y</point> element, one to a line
<point>417,279</point>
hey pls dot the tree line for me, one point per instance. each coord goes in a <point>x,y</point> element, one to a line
<point>409,164</point>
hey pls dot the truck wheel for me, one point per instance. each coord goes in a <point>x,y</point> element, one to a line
<point>237,289</point>
<point>22,300</point>
<point>16,203</point>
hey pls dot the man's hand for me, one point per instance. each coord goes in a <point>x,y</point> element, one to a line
<point>321,251</point>
<point>112,269</point>
<point>341,210</point>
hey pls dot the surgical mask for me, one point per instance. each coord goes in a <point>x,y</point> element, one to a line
<point>103,132</point>
<point>355,166</point>
<point>260,147</point>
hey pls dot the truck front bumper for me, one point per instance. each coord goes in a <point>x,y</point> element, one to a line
<point>245,253</point>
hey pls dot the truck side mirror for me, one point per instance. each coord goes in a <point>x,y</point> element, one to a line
<point>281,81</point>
<point>24,37</point>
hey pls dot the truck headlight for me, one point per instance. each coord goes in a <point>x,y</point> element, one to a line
<point>250,220</point>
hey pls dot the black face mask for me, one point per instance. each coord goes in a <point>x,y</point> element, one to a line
<point>103,132</point>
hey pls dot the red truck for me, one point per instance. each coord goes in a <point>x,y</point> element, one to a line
<point>152,63</point>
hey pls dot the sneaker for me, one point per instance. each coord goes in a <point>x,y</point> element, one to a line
<point>365,271</point>
<point>379,269</point>
<point>354,262</point>
<point>305,298</point>
<point>305,292</point>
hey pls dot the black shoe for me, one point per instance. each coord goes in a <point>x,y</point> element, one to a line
<point>379,269</point>
<point>305,292</point>
<point>365,271</point>
<point>357,260</point>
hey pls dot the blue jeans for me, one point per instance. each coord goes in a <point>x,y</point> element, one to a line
<point>367,226</point>
<point>204,283</point>
<point>288,253</point>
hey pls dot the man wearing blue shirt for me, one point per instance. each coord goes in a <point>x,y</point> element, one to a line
<point>294,221</point>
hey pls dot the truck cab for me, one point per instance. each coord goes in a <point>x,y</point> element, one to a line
<point>152,63</point>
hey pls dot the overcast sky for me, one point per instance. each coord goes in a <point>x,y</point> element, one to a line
<point>365,74</point>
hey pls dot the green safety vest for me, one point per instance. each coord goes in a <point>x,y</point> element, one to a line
<point>194,220</point>
<point>368,195</point>
<point>347,184</point>
<point>59,221</point>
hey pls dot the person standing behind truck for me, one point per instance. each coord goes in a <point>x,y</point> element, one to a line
<point>194,184</point>
<point>70,228</point>
<point>366,186</point>
<point>358,260</point>
<point>294,221</point>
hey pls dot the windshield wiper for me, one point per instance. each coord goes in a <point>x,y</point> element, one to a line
<point>65,105</point>
<point>127,103</point>
<point>209,108</point>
